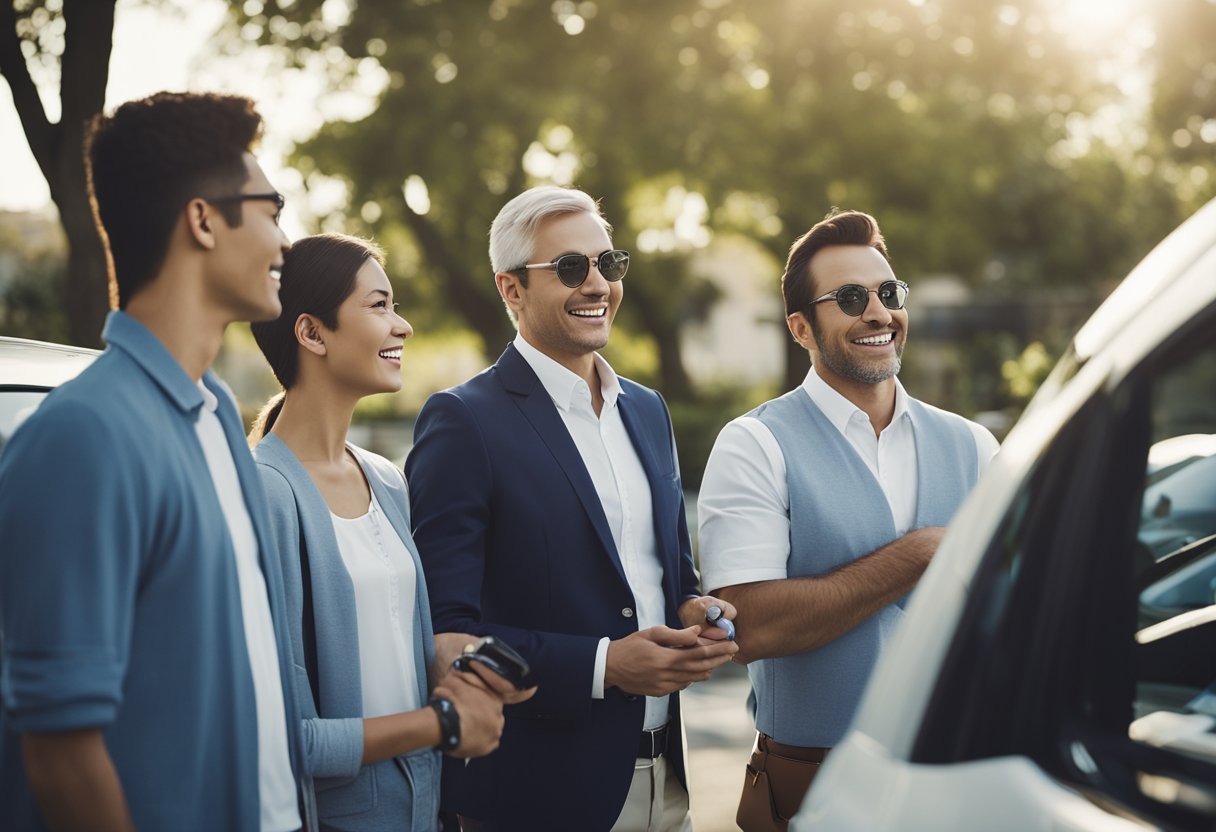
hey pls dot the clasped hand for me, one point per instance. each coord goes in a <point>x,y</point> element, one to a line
<point>659,660</point>
<point>478,696</point>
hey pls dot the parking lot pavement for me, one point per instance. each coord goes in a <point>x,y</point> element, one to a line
<point>720,735</point>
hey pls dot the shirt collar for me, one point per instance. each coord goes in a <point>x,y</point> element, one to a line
<point>560,383</point>
<point>210,401</point>
<point>839,410</point>
<point>145,349</point>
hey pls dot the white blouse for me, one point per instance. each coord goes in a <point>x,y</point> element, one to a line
<point>385,583</point>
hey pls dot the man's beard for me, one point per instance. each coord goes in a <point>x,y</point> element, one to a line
<point>845,365</point>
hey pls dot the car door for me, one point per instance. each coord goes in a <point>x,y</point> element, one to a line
<point>1088,645</point>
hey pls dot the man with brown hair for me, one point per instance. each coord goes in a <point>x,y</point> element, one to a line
<point>819,510</point>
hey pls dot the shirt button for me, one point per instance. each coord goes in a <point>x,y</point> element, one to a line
<point>627,612</point>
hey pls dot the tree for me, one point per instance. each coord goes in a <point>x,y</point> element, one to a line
<point>73,37</point>
<point>948,119</point>
<point>480,102</point>
<point>1183,113</point>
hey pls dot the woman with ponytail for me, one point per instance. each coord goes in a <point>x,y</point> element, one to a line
<point>375,715</point>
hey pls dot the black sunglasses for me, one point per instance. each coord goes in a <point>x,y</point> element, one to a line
<point>274,196</point>
<point>572,269</point>
<point>853,299</point>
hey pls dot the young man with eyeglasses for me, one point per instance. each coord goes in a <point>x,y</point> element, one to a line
<point>819,510</point>
<point>141,622</point>
<point>548,512</point>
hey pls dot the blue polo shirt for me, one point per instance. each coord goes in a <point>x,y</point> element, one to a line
<point>119,600</point>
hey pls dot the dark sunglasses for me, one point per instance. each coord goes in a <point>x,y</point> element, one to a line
<point>572,269</point>
<point>853,299</point>
<point>277,198</point>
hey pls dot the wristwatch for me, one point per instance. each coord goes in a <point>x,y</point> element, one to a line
<point>449,723</point>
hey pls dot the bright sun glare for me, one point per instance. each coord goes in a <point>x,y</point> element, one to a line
<point>1085,17</point>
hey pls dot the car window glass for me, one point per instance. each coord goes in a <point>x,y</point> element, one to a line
<point>1179,504</point>
<point>1175,667</point>
<point>15,406</point>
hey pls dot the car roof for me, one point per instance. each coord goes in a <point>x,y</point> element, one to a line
<point>25,363</point>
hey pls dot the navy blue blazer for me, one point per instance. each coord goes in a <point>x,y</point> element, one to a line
<point>515,543</point>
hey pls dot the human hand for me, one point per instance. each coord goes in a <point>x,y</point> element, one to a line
<point>447,647</point>
<point>644,663</point>
<point>480,713</point>
<point>692,612</point>
<point>506,692</point>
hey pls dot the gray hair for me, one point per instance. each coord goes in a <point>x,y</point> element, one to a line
<point>513,231</point>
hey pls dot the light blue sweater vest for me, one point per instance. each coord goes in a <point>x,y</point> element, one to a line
<point>838,513</point>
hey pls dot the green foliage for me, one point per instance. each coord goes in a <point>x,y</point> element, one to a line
<point>697,425</point>
<point>1183,112</point>
<point>32,268</point>
<point>1024,374</point>
<point>962,124</point>
<point>31,304</point>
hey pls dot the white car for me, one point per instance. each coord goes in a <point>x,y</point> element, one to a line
<point>1057,667</point>
<point>29,370</point>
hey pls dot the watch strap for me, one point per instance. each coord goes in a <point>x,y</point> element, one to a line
<point>449,723</point>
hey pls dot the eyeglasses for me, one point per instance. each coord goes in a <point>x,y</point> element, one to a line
<point>572,269</point>
<point>853,299</point>
<point>274,196</point>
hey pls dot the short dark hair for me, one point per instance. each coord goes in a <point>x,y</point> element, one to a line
<point>318,275</point>
<point>838,228</point>
<point>150,158</point>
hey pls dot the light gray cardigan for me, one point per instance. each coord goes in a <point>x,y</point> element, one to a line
<point>382,795</point>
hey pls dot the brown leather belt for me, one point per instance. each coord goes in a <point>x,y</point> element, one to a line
<point>795,752</point>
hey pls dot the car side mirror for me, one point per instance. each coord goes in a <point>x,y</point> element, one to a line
<point>1162,509</point>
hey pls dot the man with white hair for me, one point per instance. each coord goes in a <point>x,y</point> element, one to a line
<point>548,512</point>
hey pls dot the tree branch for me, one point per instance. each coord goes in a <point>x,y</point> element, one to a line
<point>39,132</point>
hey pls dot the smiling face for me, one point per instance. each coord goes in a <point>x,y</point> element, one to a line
<point>849,350</point>
<point>568,325</point>
<point>364,352</point>
<point>243,275</point>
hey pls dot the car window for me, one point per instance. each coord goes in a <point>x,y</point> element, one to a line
<point>1171,721</point>
<point>15,407</point>
<point>1179,505</point>
<point>1175,705</point>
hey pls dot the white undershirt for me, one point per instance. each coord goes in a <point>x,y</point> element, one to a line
<point>385,582</point>
<point>623,489</point>
<point>276,784</point>
<point>743,508</point>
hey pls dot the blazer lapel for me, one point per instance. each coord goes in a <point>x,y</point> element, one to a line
<point>641,440</point>
<point>643,444</point>
<point>530,396</point>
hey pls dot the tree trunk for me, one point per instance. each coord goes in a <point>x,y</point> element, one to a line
<point>468,295</point>
<point>59,148</point>
<point>673,379</point>
<point>87,285</point>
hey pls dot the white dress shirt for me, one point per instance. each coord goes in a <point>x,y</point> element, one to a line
<point>276,783</point>
<point>743,508</point>
<point>623,489</point>
<point>385,582</point>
